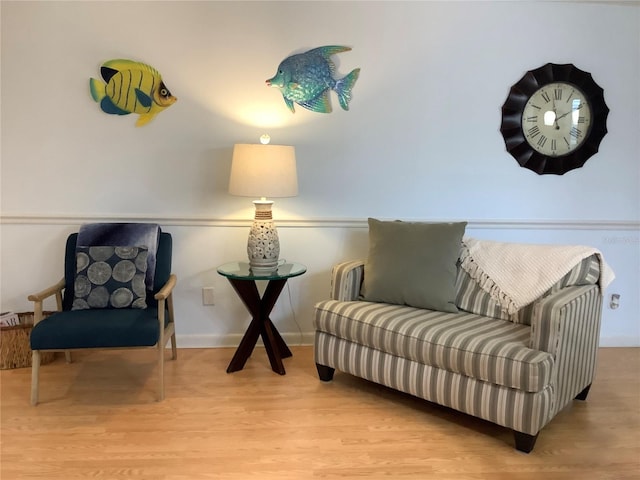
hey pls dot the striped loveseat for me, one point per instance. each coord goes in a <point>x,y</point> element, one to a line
<point>517,372</point>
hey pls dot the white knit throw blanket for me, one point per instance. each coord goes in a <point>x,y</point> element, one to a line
<point>516,274</point>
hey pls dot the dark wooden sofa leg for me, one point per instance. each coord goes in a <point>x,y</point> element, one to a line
<point>325,373</point>
<point>524,441</point>
<point>583,394</point>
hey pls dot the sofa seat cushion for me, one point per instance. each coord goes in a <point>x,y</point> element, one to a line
<point>484,348</point>
<point>97,329</point>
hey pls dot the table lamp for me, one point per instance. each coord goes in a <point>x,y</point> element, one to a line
<point>263,171</point>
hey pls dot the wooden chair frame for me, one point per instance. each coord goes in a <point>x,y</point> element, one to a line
<point>165,300</point>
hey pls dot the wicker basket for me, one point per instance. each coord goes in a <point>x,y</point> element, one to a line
<point>15,349</point>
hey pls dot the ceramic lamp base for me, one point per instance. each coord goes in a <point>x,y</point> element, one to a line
<point>263,247</point>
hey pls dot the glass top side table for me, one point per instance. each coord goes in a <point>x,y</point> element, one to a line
<point>243,281</point>
<point>242,271</point>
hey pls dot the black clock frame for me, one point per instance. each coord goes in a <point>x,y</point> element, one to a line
<point>511,126</point>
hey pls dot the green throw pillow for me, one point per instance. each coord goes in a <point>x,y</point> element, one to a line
<point>110,277</point>
<point>413,263</point>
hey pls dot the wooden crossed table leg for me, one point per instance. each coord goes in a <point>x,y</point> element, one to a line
<point>261,324</point>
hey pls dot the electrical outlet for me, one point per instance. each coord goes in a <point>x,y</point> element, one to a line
<point>614,302</point>
<point>207,296</point>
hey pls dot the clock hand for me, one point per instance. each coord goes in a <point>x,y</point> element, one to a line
<point>570,111</point>
<point>555,115</point>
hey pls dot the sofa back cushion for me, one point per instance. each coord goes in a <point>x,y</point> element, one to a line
<point>470,296</point>
<point>413,263</point>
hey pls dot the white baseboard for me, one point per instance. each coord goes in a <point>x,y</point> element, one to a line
<point>619,341</point>
<point>295,339</point>
<point>233,340</point>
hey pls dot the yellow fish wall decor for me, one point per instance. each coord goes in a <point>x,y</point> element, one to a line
<point>131,87</point>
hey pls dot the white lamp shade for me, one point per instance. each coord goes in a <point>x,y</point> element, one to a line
<point>263,171</point>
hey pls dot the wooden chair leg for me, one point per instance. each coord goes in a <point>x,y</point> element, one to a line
<point>67,356</point>
<point>174,349</point>
<point>35,373</point>
<point>160,371</point>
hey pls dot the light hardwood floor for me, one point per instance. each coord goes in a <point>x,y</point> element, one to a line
<point>99,420</point>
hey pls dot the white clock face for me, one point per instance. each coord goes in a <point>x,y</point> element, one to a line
<point>556,119</point>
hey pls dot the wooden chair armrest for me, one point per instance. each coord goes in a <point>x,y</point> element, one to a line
<point>38,298</point>
<point>166,290</point>
<point>47,292</point>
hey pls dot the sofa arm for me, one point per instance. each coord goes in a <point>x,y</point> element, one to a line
<point>567,325</point>
<point>346,279</point>
<point>566,314</point>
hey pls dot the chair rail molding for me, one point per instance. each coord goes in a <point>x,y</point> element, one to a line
<point>226,222</point>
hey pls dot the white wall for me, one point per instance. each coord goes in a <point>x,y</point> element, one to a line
<point>421,140</point>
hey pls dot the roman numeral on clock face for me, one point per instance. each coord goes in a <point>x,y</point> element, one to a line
<point>570,95</point>
<point>534,131</point>
<point>542,140</point>
<point>575,132</point>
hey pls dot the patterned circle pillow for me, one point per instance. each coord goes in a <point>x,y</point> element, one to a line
<point>110,277</point>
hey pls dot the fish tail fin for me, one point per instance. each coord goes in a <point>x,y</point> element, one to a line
<point>344,86</point>
<point>97,89</point>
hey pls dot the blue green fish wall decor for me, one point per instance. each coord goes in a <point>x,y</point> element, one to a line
<point>306,79</point>
<point>131,87</point>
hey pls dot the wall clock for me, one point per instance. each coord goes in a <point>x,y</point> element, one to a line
<point>554,119</point>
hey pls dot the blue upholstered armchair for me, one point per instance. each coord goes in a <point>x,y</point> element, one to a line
<point>125,319</point>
